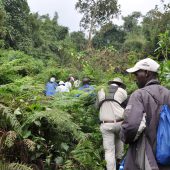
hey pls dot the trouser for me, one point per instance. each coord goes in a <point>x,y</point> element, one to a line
<point>112,144</point>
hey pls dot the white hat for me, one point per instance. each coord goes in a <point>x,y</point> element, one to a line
<point>52,79</point>
<point>61,83</point>
<point>145,64</point>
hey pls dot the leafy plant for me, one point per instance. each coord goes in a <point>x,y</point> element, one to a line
<point>164,45</point>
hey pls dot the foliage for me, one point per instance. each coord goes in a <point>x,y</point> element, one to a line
<point>62,132</point>
<point>134,42</point>
<point>131,22</point>
<point>78,38</point>
<point>138,33</point>
<point>164,73</point>
<point>96,13</point>
<point>109,35</point>
<point>155,22</point>
<point>164,45</point>
<point>14,166</point>
<point>40,133</point>
<point>17,25</point>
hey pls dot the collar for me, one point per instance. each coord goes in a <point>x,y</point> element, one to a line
<point>151,82</point>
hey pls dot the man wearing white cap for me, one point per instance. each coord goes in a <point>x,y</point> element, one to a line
<point>139,128</point>
<point>111,117</point>
<point>50,88</point>
<point>61,87</point>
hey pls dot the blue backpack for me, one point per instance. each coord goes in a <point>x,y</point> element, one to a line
<point>163,137</point>
<point>122,164</point>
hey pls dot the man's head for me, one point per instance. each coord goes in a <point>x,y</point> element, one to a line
<point>71,79</point>
<point>144,71</point>
<point>86,80</point>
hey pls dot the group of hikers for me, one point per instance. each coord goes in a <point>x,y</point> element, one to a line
<point>143,123</point>
<point>133,120</point>
<point>53,87</point>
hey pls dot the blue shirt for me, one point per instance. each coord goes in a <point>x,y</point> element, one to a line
<point>86,88</point>
<point>50,88</point>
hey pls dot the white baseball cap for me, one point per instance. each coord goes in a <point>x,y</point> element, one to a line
<point>52,79</point>
<point>61,83</point>
<point>145,64</point>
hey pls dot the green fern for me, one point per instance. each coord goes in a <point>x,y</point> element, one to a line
<point>10,117</point>
<point>29,144</point>
<point>4,167</point>
<point>14,166</point>
<point>10,139</point>
<point>86,154</point>
<point>60,120</point>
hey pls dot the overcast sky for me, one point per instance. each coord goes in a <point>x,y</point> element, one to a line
<point>69,17</point>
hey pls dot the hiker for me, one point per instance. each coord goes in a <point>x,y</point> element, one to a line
<point>50,88</point>
<point>61,87</point>
<point>77,82</point>
<point>111,117</point>
<point>69,82</point>
<point>86,85</point>
<point>139,128</point>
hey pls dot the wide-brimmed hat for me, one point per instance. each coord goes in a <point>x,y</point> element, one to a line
<point>118,81</point>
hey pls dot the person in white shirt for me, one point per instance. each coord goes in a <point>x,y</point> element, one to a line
<point>69,82</point>
<point>77,82</point>
<point>61,87</point>
<point>111,116</point>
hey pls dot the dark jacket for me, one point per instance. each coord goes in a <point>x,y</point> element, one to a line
<point>141,153</point>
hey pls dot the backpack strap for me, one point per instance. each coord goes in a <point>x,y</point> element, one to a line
<point>146,131</point>
<point>106,100</point>
<point>156,100</point>
<point>110,96</point>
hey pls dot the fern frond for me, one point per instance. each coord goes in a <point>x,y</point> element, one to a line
<point>14,166</point>
<point>86,154</point>
<point>10,139</point>
<point>3,166</point>
<point>17,166</point>
<point>29,144</point>
<point>60,120</point>
<point>9,116</point>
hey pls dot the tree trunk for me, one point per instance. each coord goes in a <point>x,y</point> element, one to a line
<point>89,44</point>
<point>92,23</point>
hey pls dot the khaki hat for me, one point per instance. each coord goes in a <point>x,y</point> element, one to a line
<point>145,64</point>
<point>117,80</point>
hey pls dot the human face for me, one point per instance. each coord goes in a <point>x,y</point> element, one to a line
<point>141,78</point>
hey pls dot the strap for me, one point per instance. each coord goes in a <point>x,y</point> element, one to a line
<point>156,100</point>
<point>110,96</point>
<point>146,132</point>
<point>106,100</point>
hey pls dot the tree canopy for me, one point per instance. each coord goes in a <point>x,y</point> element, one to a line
<point>96,13</point>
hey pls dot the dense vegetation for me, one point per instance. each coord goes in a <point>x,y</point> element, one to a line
<point>37,132</point>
